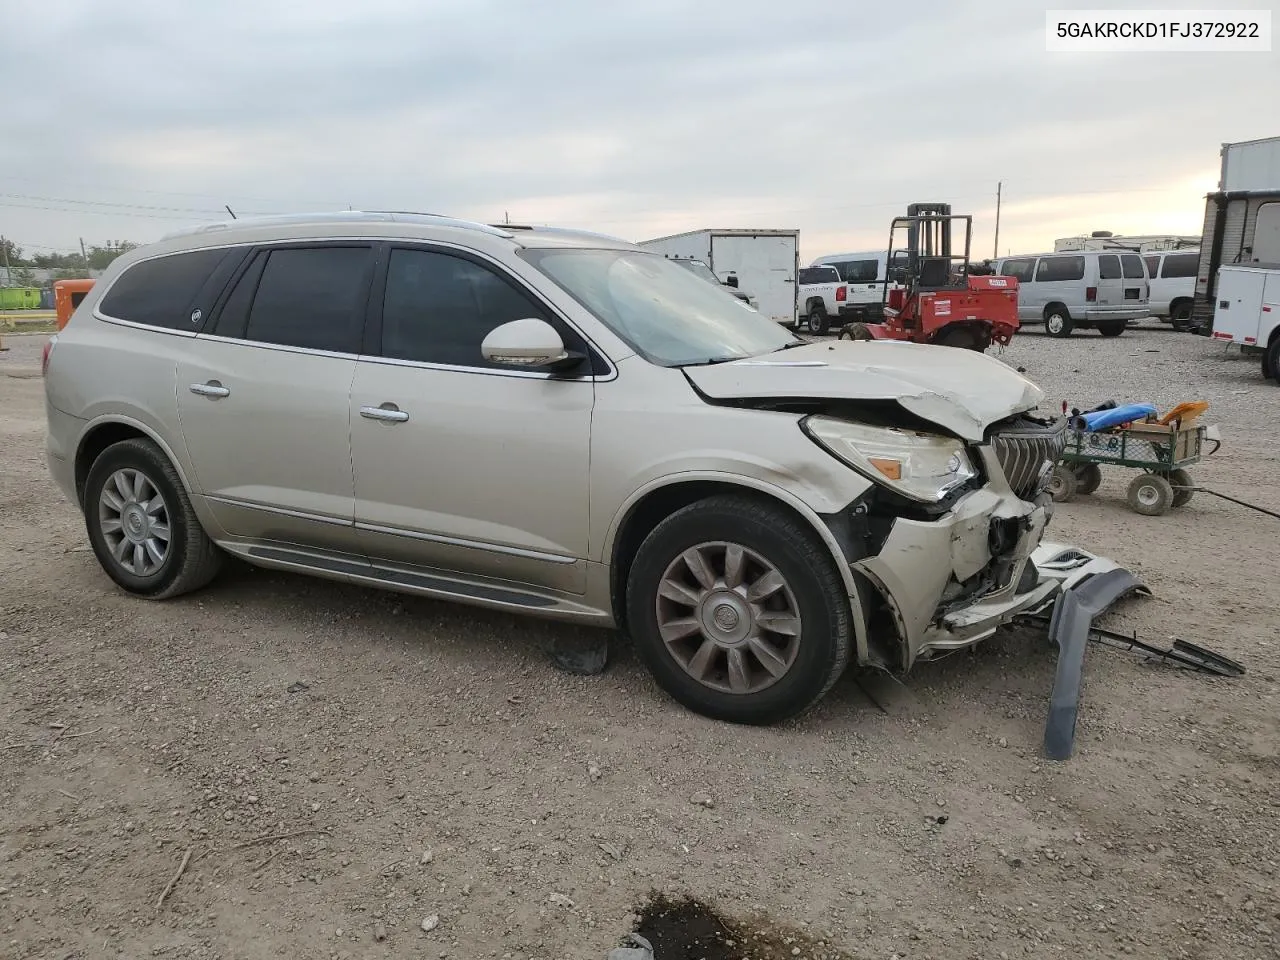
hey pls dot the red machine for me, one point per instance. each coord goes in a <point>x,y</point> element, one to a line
<point>937,297</point>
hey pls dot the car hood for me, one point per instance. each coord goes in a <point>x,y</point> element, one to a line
<point>960,390</point>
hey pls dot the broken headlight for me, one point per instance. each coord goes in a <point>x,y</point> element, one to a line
<point>922,466</point>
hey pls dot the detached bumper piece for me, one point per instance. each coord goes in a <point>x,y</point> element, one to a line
<point>1089,586</point>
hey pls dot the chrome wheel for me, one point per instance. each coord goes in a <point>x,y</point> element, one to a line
<point>728,617</point>
<point>134,521</point>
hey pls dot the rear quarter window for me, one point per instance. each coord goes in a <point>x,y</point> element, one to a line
<point>162,291</point>
<point>1178,265</point>
<point>1021,270</point>
<point>1060,268</point>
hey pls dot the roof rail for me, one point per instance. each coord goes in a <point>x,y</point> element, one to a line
<point>348,216</point>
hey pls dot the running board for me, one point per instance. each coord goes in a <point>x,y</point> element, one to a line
<point>360,571</point>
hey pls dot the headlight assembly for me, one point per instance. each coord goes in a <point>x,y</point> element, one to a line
<point>922,466</point>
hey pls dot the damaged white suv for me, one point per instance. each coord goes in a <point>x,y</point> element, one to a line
<point>555,423</point>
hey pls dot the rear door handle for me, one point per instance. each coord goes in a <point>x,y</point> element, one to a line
<point>387,413</point>
<point>212,389</point>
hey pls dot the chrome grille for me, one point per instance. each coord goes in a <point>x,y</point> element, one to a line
<point>1023,446</point>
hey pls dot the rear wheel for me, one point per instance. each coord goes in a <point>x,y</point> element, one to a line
<point>141,525</point>
<point>968,338</point>
<point>857,331</point>
<point>1088,478</point>
<point>1063,484</point>
<point>817,320</point>
<point>1057,321</point>
<point>737,609</point>
<point>1180,316</point>
<point>1112,328</point>
<point>1181,478</point>
<point>1271,361</point>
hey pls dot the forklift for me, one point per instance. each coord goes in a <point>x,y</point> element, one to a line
<point>938,296</point>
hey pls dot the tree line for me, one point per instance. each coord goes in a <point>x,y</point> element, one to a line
<point>66,266</point>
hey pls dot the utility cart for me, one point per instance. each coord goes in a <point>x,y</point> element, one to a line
<point>1162,450</point>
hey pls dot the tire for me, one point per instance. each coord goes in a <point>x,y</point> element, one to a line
<point>817,320</point>
<point>856,331</point>
<point>1181,478</point>
<point>1180,316</point>
<point>1150,495</point>
<point>1271,361</point>
<point>965,338</point>
<point>1063,484</point>
<point>1112,328</point>
<point>807,663</point>
<point>186,562</point>
<point>1088,478</point>
<point>1057,321</point>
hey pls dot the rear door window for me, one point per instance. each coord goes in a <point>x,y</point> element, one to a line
<point>162,292</point>
<point>1053,269</point>
<point>1133,268</point>
<point>1108,267</point>
<point>309,297</point>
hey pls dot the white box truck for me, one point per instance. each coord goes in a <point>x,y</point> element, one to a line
<point>1241,220</point>
<point>764,263</point>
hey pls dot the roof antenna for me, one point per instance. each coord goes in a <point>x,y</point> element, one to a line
<point>506,216</point>
<point>230,211</point>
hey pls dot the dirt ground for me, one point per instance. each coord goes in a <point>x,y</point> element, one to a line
<point>421,759</point>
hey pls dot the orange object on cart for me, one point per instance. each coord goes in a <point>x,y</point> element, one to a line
<point>1185,412</point>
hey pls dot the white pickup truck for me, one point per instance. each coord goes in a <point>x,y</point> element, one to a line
<point>821,296</point>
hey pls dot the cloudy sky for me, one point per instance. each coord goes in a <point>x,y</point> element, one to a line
<point>125,119</point>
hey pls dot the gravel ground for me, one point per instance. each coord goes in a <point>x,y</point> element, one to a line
<point>419,759</point>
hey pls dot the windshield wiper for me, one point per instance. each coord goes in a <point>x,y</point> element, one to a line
<point>794,343</point>
<point>712,360</point>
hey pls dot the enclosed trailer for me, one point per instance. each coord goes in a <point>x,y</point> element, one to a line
<point>764,263</point>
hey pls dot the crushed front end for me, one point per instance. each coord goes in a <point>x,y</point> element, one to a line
<point>944,576</point>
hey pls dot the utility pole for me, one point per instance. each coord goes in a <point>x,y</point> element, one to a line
<point>86,259</point>
<point>995,247</point>
<point>4,245</point>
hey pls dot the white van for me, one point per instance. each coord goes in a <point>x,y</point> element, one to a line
<point>1104,289</point>
<point>1173,284</point>
<point>864,273</point>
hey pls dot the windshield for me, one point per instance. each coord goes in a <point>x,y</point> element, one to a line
<point>698,269</point>
<point>661,310</point>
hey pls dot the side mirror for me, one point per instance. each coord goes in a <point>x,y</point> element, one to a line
<point>530,343</point>
<point>731,281</point>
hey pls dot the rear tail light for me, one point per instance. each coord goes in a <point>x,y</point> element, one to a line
<point>841,294</point>
<point>1091,294</point>
<point>46,354</point>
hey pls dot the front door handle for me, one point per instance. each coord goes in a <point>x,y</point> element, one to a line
<point>387,413</point>
<point>212,389</point>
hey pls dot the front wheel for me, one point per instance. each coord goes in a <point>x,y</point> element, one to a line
<point>1057,322</point>
<point>141,524</point>
<point>1150,495</point>
<point>1271,361</point>
<point>737,609</point>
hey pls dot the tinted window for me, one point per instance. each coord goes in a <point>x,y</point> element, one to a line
<point>1133,267</point>
<point>1020,270</point>
<point>1108,267</point>
<point>439,308</point>
<point>1153,265</point>
<point>1060,268</point>
<point>312,298</point>
<point>819,275</point>
<point>234,315</point>
<point>160,292</point>
<point>862,271</point>
<point>1180,265</point>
